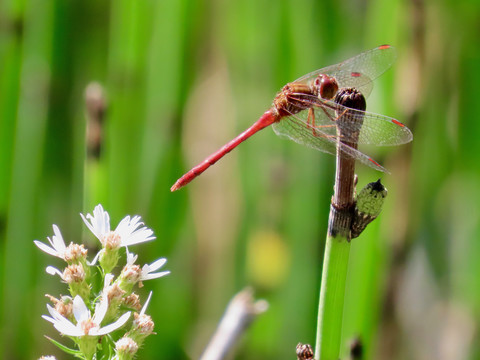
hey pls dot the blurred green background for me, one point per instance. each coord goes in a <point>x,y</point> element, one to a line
<point>182,77</point>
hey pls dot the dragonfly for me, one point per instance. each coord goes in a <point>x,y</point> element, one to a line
<point>305,111</point>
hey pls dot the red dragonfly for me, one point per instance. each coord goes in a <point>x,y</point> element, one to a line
<point>304,111</point>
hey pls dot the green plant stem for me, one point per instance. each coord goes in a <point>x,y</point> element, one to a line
<point>332,293</point>
<point>337,247</point>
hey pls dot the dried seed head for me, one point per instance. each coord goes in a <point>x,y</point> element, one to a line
<point>304,352</point>
<point>356,349</point>
<point>352,98</point>
<point>96,106</point>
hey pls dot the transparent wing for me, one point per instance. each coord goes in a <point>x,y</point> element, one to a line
<point>359,126</point>
<point>358,71</point>
<point>296,129</point>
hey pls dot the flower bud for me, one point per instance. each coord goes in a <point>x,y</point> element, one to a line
<point>75,253</point>
<point>126,348</point>
<point>132,301</point>
<point>64,305</point>
<point>74,276</point>
<point>368,205</point>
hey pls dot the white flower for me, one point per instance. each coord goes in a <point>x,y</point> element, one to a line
<point>148,270</point>
<point>72,274</point>
<point>107,281</point>
<point>86,325</point>
<point>112,292</point>
<point>144,308</point>
<point>142,323</point>
<point>131,257</point>
<point>57,244</point>
<point>132,273</point>
<point>53,271</point>
<point>128,232</point>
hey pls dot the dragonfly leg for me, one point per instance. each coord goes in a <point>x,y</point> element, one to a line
<point>340,115</point>
<point>314,127</point>
<point>311,124</point>
<point>311,121</point>
<point>337,117</point>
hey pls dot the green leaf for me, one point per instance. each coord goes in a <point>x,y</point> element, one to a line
<point>62,347</point>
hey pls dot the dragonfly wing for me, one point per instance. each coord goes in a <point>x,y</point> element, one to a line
<point>325,140</point>
<point>293,128</point>
<point>382,130</point>
<point>357,126</point>
<point>374,129</point>
<point>360,70</point>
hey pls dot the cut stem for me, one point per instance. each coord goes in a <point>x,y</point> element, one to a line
<point>337,247</point>
<point>240,313</point>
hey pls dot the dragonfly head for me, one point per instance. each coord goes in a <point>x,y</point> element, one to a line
<point>326,86</point>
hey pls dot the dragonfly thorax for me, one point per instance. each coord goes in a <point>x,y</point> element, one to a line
<point>293,98</point>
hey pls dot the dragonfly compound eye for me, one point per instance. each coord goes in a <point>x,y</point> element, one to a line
<point>327,86</point>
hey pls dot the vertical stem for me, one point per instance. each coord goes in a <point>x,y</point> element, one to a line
<point>95,186</point>
<point>330,310</point>
<point>337,247</point>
